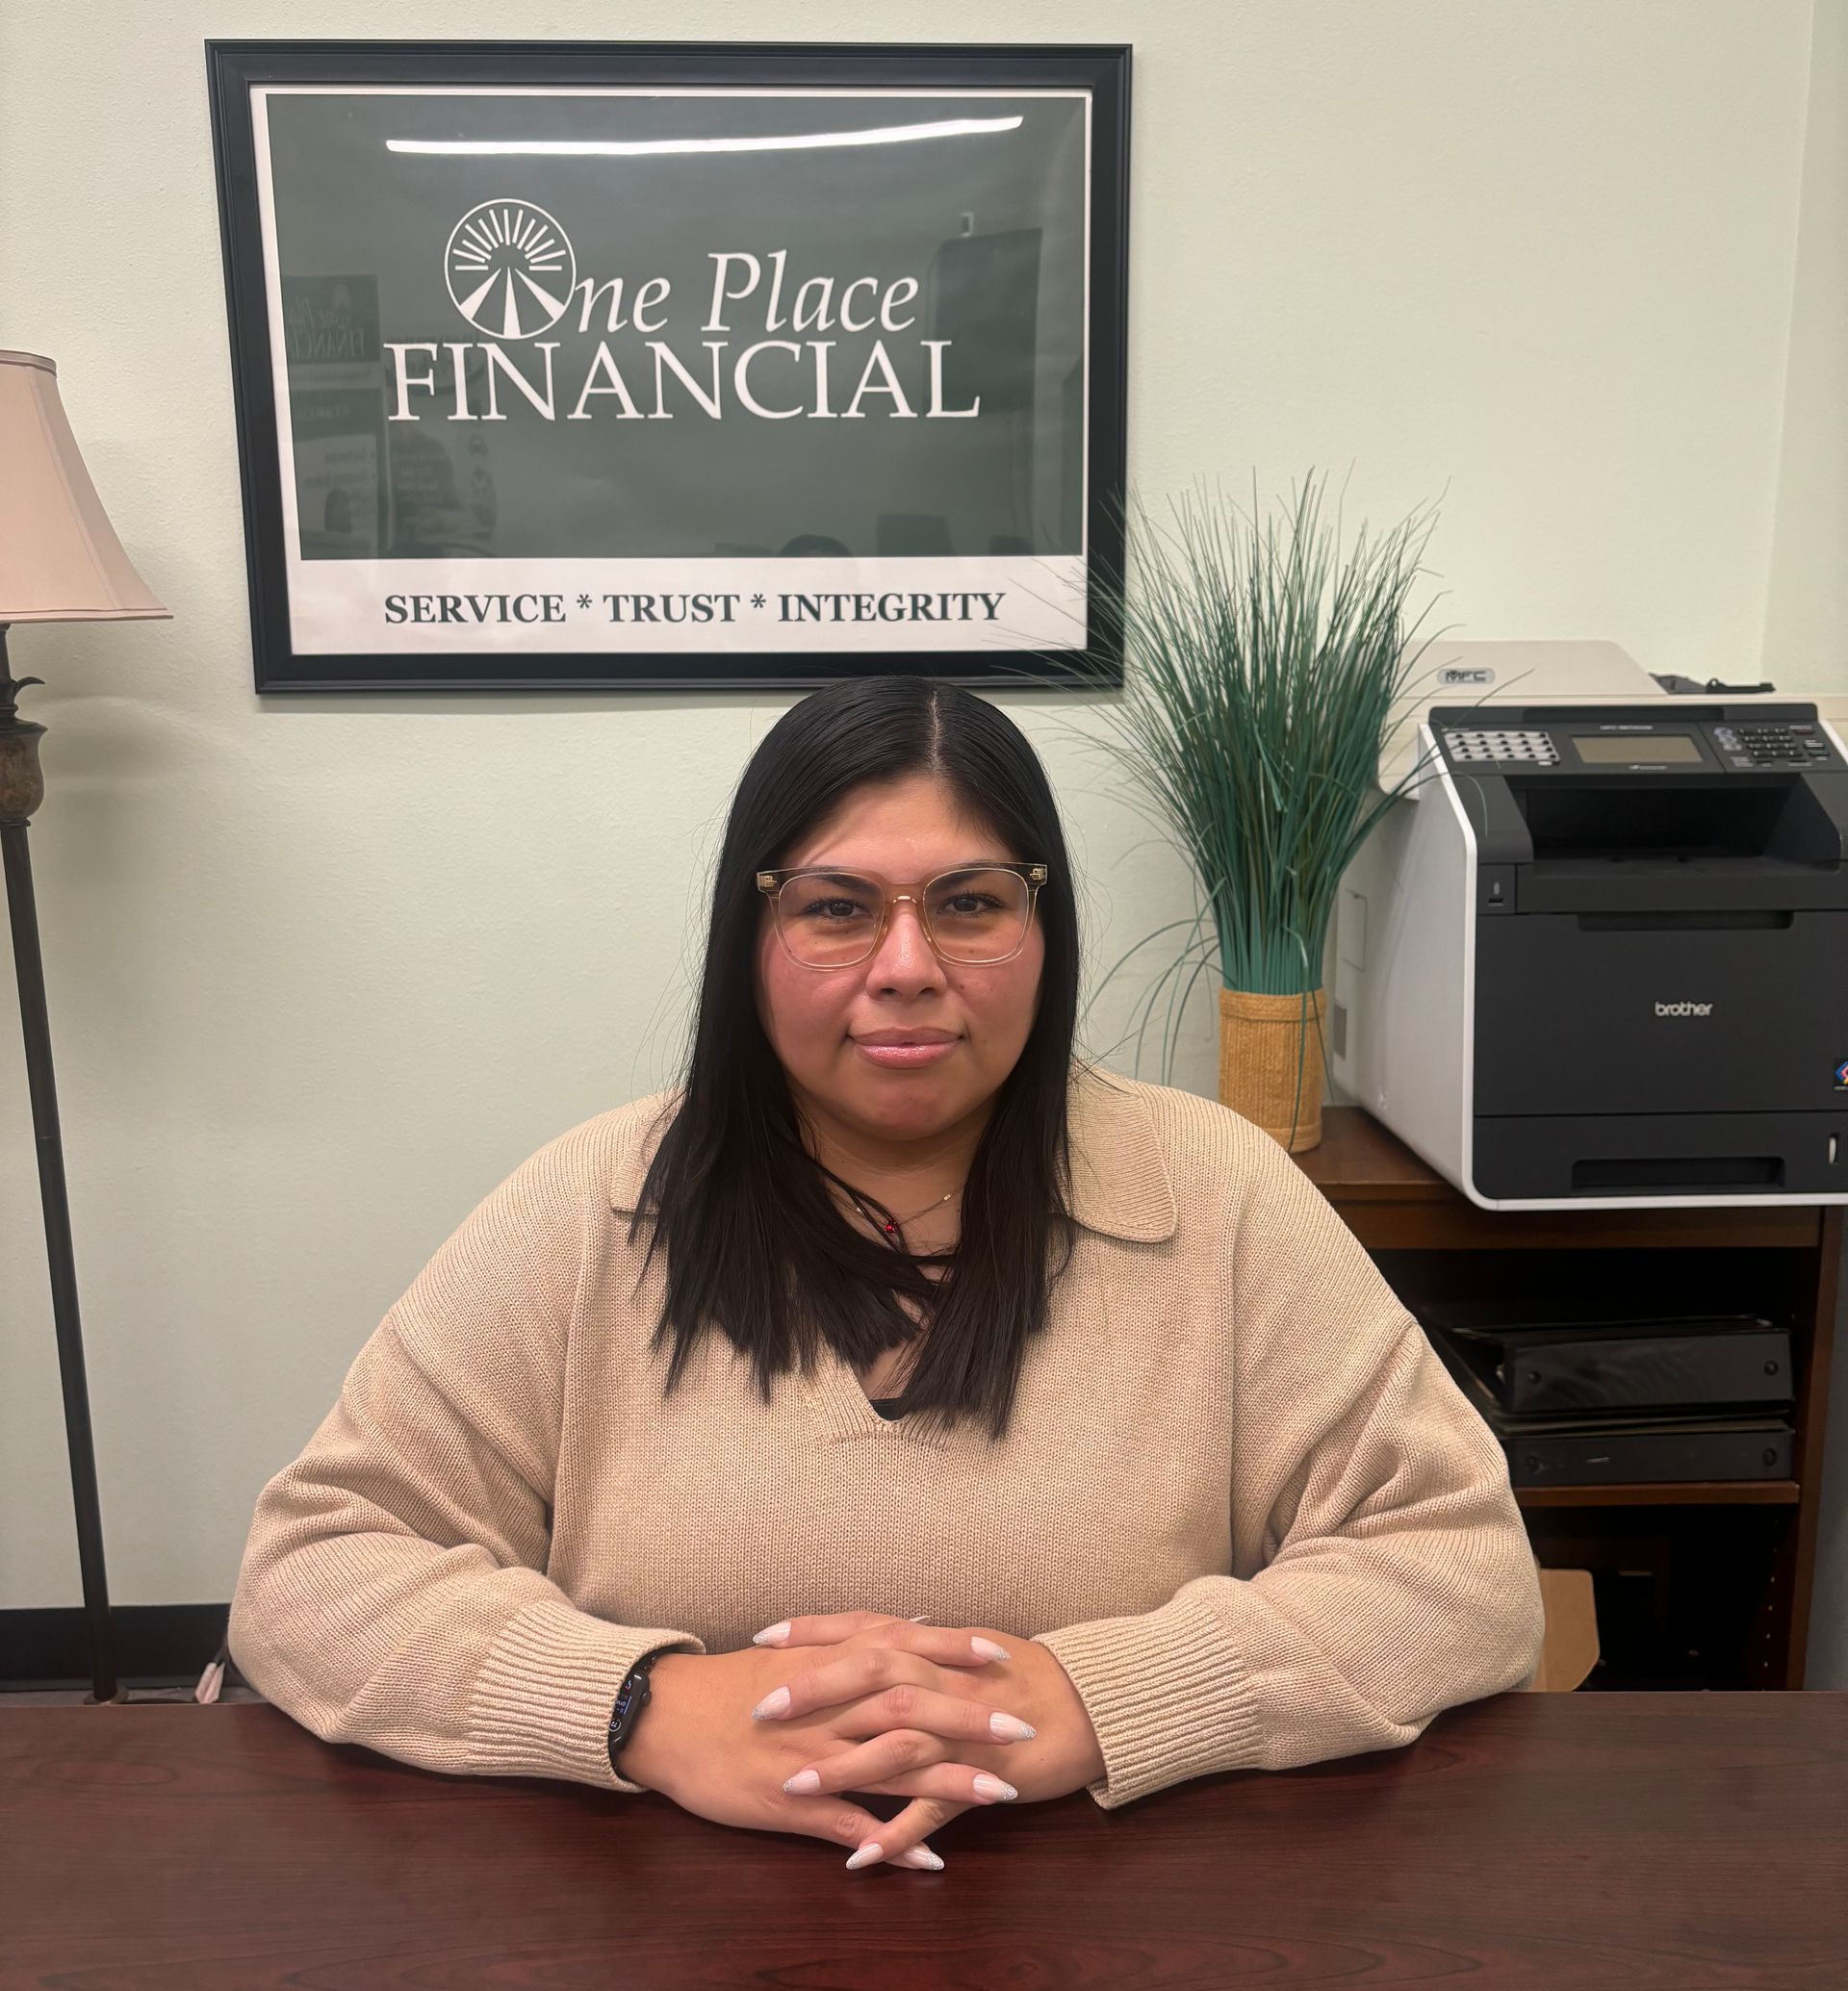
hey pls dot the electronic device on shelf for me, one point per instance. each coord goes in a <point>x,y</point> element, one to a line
<point>1598,954</point>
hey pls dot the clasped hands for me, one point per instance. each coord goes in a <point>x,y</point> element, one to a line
<point>1010,1725</point>
<point>872,1704</point>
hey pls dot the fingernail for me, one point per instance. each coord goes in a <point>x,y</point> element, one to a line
<point>803,1782</point>
<point>778,1703</point>
<point>867,1853</point>
<point>989,1786</point>
<point>918,1620</point>
<point>987,1649</point>
<point>772,1634</point>
<point>919,1856</point>
<point>1005,1728</point>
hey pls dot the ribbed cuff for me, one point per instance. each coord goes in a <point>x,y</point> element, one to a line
<point>1168,1695</point>
<point>544,1693</point>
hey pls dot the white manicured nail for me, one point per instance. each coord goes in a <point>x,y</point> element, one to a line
<point>1009,1728</point>
<point>867,1853</point>
<point>803,1782</point>
<point>989,1786</point>
<point>772,1634</point>
<point>778,1703</point>
<point>919,1856</point>
<point>987,1649</point>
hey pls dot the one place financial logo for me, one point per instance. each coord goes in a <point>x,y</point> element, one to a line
<point>510,268</point>
<point>750,337</point>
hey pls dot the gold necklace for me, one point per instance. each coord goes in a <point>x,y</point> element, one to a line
<point>892,1229</point>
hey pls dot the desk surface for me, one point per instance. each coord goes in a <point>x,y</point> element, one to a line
<point>1535,1841</point>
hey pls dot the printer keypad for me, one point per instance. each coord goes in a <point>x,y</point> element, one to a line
<point>1536,747</point>
<point>1795,743</point>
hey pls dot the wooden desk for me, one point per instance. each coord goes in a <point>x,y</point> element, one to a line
<point>1535,1841</point>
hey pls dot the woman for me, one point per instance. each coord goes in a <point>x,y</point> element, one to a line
<point>987,1425</point>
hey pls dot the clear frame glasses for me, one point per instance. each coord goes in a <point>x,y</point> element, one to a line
<point>974,915</point>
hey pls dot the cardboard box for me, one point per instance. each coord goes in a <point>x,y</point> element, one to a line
<point>1570,1649</point>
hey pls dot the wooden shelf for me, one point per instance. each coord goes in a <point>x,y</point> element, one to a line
<point>1689,1492</point>
<point>1729,1569</point>
<point>1389,1197</point>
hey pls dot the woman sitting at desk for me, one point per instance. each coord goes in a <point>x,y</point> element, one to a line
<point>895,1310</point>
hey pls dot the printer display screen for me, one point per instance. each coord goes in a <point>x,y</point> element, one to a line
<point>1655,750</point>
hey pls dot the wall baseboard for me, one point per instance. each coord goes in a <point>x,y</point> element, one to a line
<point>156,1644</point>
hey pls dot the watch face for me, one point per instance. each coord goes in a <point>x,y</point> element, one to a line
<point>630,1696</point>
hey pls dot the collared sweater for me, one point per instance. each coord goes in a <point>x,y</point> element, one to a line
<point>1240,1499</point>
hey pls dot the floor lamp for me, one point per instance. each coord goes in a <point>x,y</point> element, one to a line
<point>60,562</point>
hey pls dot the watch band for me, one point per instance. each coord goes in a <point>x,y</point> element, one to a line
<point>632,1697</point>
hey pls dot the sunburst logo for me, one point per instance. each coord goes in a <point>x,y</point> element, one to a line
<point>510,268</point>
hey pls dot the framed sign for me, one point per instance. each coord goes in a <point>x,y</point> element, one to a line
<point>563,364</point>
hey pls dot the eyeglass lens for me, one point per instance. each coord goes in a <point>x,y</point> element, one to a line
<point>831,919</point>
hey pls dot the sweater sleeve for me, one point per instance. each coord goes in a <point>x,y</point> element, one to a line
<point>1381,1572</point>
<point>392,1590</point>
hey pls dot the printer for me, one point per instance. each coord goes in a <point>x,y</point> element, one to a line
<point>1596,952</point>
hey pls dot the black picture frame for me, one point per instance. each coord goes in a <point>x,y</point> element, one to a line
<point>1101,72</point>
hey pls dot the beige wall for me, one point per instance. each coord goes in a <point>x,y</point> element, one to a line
<point>321,972</point>
<point>1805,633</point>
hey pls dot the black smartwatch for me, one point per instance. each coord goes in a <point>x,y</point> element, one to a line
<point>631,1699</point>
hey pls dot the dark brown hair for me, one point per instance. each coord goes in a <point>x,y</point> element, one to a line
<point>754,1243</point>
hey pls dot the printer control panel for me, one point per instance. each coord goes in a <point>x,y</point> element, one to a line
<point>1793,743</point>
<point>1633,741</point>
<point>1530,748</point>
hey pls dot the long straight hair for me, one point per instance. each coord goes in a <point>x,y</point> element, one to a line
<point>754,1243</point>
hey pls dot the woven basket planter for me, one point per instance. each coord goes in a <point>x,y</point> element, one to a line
<point>1271,1065</point>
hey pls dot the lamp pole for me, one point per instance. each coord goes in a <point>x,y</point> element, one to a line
<point>22,789</point>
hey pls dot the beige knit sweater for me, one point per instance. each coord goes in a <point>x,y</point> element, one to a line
<point>1241,1499</point>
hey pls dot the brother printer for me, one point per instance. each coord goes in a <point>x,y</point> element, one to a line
<point>1597,954</point>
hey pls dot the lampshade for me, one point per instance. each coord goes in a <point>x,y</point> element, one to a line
<point>60,559</point>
